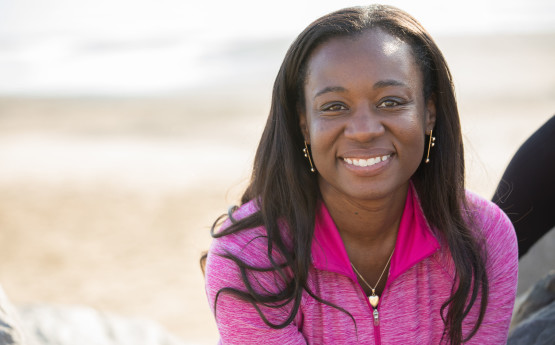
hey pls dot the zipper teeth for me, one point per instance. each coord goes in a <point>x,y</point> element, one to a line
<point>377,336</point>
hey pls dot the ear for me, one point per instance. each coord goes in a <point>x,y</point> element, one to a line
<point>430,114</point>
<point>303,123</point>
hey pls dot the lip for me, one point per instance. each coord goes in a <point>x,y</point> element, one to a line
<point>368,162</point>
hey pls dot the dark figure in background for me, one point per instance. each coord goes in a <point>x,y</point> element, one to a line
<point>527,190</point>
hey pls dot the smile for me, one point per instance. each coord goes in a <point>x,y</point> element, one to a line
<point>366,162</point>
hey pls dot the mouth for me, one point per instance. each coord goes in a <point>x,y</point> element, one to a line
<point>360,162</point>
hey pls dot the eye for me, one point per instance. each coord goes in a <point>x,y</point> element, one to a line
<point>334,107</point>
<point>389,103</point>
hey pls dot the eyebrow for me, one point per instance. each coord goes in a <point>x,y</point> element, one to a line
<point>380,84</point>
<point>386,83</point>
<point>330,89</point>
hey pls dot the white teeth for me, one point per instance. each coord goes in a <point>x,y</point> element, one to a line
<point>366,162</point>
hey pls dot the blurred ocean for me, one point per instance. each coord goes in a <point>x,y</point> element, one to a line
<point>137,48</point>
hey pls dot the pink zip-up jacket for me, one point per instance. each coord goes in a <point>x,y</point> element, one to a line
<point>419,282</point>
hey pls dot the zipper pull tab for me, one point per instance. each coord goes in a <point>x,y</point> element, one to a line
<point>376,317</point>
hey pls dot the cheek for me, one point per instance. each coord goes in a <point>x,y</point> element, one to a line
<point>411,136</point>
<point>323,135</point>
<point>322,132</point>
<point>413,130</point>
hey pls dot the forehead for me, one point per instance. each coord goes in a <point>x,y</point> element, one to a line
<point>372,55</point>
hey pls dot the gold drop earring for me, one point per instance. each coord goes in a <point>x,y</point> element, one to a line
<point>307,155</point>
<point>431,143</point>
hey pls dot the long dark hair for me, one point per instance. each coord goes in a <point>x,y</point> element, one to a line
<point>286,192</point>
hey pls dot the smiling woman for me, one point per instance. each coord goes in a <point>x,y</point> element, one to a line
<point>370,237</point>
<point>364,101</point>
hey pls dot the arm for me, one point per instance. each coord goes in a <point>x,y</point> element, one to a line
<point>502,267</point>
<point>238,321</point>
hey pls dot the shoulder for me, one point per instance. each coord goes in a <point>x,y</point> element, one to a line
<point>250,248</point>
<point>241,255</point>
<point>246,244</point>
<point>494,228</point>
<point>487,217</point>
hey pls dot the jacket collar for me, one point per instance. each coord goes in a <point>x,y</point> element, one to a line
<point>415,241</point>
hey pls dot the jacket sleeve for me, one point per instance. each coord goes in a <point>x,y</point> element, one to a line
<point>238,321</point>
<point>502,269</point>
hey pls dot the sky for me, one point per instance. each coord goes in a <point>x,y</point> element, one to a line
<point>135,47</point>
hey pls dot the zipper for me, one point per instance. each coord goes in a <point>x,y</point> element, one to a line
<point>377,335</point>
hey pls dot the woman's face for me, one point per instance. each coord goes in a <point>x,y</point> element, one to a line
<point>365,116</point>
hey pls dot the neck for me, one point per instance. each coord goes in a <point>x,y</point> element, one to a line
<point>368,229</point>
<point>366,223</point>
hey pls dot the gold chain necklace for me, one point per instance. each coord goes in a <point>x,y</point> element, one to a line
<point>374,299</point>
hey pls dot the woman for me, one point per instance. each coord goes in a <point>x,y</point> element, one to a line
<point>356,227</point>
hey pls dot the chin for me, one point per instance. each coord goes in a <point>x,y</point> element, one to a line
<point>375,192</point>
<point>368,194</point>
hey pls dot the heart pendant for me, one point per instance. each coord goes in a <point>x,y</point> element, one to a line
<point>374,299</point>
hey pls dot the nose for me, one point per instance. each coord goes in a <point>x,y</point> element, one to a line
<point>364,124</point>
